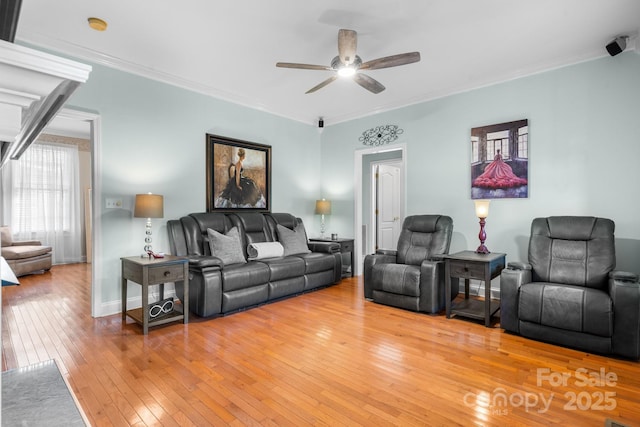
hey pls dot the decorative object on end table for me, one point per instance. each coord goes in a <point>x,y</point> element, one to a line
<point>148,206</point>
<point>161,307</point>
<point>323,207</point>
<point>238,175</point>
<point>482,212</point>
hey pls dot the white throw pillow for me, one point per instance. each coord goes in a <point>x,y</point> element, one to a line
<point>262,250</point>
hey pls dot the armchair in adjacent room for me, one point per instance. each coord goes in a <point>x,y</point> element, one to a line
<point>25,256</point>
<point>412,277</point>
<point>569,293</point>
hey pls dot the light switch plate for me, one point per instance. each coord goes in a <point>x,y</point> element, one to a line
<point>113,203</point>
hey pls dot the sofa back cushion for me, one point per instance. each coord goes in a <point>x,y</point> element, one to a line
<point>572,250</point>
<point>423,236</point>
<point>5,236</point>
<point>195,228</point>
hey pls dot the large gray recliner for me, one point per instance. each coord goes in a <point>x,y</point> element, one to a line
<point>412,277</point>
<point>569,293</point>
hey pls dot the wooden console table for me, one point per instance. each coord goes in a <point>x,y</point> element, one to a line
<point>346,245</point>
<point>148,272</point>
<point>471,265</point>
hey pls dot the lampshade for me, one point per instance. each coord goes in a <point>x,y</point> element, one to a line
<point>149,206</point>
<point>482,208</point>
<point>323,207</point>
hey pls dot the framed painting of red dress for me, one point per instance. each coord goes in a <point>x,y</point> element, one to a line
<point>500,161</point>
<point>238,175</point>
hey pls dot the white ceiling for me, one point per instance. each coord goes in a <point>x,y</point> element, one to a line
<point>228,49</point>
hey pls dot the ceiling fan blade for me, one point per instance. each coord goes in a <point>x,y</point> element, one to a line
<point>368,83</point>
<point>302,66</point>
<point>321,85</point>
<point>391,61</point>
<point>347,45</point>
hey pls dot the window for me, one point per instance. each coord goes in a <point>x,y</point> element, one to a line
<point>41,198</point>
<point>523,142</point>
<point>497,141</point>
<point>475,153</point>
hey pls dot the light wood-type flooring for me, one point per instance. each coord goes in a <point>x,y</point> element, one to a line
<point>324,358</point>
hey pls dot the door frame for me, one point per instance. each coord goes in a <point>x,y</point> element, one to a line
<point>359,250</point>
<point>96,185</point>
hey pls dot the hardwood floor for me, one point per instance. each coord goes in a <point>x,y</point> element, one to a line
<point>324,358</point>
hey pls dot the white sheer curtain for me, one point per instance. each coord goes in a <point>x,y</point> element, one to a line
<point>41,199</point>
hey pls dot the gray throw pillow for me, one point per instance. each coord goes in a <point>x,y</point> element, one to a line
<point>227,246</point>
<point>294,241</point>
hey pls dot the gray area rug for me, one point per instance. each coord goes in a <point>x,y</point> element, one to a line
<point>37,395</point>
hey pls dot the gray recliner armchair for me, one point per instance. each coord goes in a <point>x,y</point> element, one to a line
<point>569,293</point>
<point>412,277</point>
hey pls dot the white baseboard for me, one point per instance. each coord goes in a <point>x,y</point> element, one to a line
<point>115,307</point>
<point>476,288</point>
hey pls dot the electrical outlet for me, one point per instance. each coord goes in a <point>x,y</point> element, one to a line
<point>113,203</point>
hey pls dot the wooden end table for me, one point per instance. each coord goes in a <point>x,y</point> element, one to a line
<point>471,265</point>
<point>148,272</point>
<point>346,245</point>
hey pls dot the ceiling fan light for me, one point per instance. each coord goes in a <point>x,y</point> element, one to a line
<point>346,71</point>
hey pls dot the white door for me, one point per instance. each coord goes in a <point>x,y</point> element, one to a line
<point>388,206</point>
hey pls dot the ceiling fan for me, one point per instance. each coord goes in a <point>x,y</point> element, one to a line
<point>348,64</point>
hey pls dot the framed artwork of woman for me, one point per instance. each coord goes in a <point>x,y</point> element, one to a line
<point>238,175</point>
<point>500,161</point>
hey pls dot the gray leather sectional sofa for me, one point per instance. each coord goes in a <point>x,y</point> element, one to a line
<point>216,288</point>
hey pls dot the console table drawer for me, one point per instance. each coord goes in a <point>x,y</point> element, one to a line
<point>466,270</point>
<point>346,246</point>
<point>166,273</point>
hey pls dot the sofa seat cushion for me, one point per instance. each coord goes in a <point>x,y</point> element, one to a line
<point>284,267</point>
<point>22,252</point>
<point>573,308</point>
<point>315,262</point>
<point>401,279</point>
<point>241,276</point>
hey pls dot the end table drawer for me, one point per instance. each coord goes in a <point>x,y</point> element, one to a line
<point>346,246</point>
<point>166,273</point>
<point>466,270</point>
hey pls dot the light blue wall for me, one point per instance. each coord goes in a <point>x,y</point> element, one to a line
<point>584,125</point>
<point>153,140</point>
<point>584,149</point>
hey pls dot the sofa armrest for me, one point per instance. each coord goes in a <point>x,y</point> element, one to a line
<point>624,291</point>
<point>205,262</point>
<point>369,261</point>
<point>432,287</point>
<point>389,252</point>
<point>517,265</point>
<point>624,276</point>
<point>511,279</point>
<point>27,243</point>
<point>324,247</point>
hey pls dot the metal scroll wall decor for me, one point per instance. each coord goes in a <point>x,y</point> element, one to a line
<point>380,135</point>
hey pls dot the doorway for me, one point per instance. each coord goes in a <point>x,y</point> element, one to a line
<point>83,119</point>
<point>365,201</point>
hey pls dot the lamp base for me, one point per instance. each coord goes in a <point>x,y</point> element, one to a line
<point>482,249</point>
